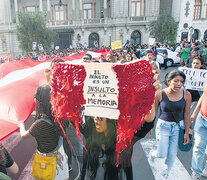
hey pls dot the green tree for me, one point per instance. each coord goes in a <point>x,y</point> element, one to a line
<point>32,29</point>
<point>164,29</point>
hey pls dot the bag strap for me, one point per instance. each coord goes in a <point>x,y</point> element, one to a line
<point>170,106</point>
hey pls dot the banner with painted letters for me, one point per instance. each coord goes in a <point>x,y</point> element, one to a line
<point>101,91</point>
<point>195,78</point>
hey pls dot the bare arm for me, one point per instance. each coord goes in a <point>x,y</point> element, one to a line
<point>48,75</point>
<point>150,117</point>
<point>188,100</point>
<point>14,169</point>
<point>197,109</point>
<point>23,132</point>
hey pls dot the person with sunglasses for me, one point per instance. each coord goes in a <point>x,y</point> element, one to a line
<point>87,58</point>
<point>100,158</point>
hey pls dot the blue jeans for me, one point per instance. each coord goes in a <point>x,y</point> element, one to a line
<point>200,142</point>
<point>167,142</point>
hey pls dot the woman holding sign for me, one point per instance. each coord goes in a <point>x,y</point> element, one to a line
<point>197,63</point>
<point>100,158</point>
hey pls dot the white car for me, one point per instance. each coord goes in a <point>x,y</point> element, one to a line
<point>173,57</point>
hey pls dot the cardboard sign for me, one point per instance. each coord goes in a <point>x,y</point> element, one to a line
<point>195,78</point>
<point>101,91</point>
<point>116,45</point>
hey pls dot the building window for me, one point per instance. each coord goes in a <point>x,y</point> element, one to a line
<point>137,7</point>
<point>89,10</point>
<point>109,8</point>
<point>184,36</point>
<point>60,14</point>
<point>205,36</point>
<point>30,9</point>
<point>136,37</point>
<point>197,9</point>
<point>195,35</point>
<point>93,40</point>
<point>206,10</point>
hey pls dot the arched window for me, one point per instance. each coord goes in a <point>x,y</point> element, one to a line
<point>93,40</point>
<point>136,37</point>
<point>137,7</point>
<point>197,9</point>
<point>196,34</point>
<point>205,36</point>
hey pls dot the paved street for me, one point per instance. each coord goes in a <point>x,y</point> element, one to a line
<point>143,169</point>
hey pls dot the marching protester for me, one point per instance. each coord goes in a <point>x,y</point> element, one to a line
<point>87,58</point>
<point>197,63</point>
<point>69,126</point>
<point>48,136</point>
<point>100,158</point>
<point>45,132</point>
<point>6,164</point>
<point>172,98</point>
<point>185,52</point>
<point>149,56</point>
<point>199,116</point>
<point>190,59</point>
<point>204,54</point>
<point>135,56</point>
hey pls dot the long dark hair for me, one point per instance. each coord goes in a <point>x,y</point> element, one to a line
<point>95,151</point>
<point>43,106</point>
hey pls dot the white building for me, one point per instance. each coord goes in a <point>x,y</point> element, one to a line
<point>192,18</point>
<point>101,21</point>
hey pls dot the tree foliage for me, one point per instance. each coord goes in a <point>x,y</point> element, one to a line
<point>164,29</point>
<point>32,29</point>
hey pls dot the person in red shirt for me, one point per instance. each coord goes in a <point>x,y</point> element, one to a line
<point>200,133</point>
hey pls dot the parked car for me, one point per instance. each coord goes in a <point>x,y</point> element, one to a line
<point>173,57</point>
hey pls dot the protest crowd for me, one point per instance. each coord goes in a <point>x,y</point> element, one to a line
<point>92,143</point>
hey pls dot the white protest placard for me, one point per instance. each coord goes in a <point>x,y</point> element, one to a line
<point>195,78</point>
<point>101,91</point>
<point>151,41</point>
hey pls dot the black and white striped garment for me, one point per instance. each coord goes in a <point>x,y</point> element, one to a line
<point>45,134</point>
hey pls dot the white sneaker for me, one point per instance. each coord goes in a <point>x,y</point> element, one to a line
<point>204,174</point>
<point>165,174</point>
<point>195,176</point>
<point>153,155</point>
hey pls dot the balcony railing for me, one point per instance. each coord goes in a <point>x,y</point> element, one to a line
<point>98,21</point>
<point>138,18</point>
<point>94,21</point>
<point>64,22</point>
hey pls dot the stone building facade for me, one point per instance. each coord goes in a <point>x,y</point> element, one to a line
<point>89,22</point>
<point>192,18</point>
<point>100,22</point>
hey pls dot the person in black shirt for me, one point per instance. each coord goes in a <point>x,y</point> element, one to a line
<point>6,162</point>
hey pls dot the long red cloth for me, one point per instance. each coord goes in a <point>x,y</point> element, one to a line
<point>67,93</point>
<point>136,96</point>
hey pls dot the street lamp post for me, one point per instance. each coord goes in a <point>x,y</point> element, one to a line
<point>60,3</point>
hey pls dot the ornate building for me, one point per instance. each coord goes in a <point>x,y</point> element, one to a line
<point>90,22</point>
<point>99,22</point>
<point>192,18</point>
